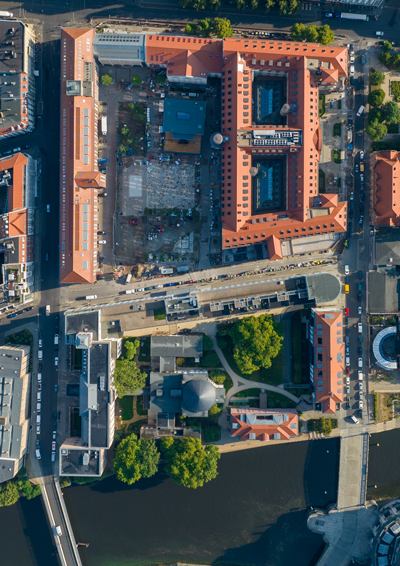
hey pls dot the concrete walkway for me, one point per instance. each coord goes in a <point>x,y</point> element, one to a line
<point>241,384</point>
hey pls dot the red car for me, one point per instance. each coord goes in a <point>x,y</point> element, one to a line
<point>133,221</point>
<point>347,371</point>
<point>159,229</point>
<point>347,311</point>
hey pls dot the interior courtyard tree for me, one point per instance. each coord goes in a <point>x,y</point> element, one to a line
<point>106,80</point>
<point>128,378</point>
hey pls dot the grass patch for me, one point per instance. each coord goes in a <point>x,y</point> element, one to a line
<point>322,425</point>
<point>248,393</point>
<point>300,359</point>
<point>337,129</point>
<point>209,359</point>
<point>221,377</point>
<point>159,314</point>
<point>126,404</point>
<point>336,156</point>
<point>134,428</point>
<point>278,401</point>
<point>144,349</point>
<point>139,406</point>
<point>321,181</point>
<point>321,104</point>
<point>392,128</point>
<point>272,375</point>
<point>210,429</point>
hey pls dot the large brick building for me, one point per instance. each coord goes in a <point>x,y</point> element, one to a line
<point>80,179</point>
<point>387,188</point>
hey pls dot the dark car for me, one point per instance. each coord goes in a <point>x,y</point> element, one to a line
<point>39,367</point>
<point>362,209</point>
<point>372,230</point>
<point>346,280</point>
<point>362,197</point>
<point>133,221</point>
<point>27,146</point>
<point>360,351</point>
<point>360,275</point>
<point>55,416</point>
<point>361,220</point>
<point>101,233</point>
<point>360,414</point>
<point>12,315</point>
<point>27,309</point>
<point>351,213</point>
<point>359,297</point>
<point>360,338</point>
<point>38,444</point>
<point>54,425</point>
<point>347,330</point>
<point>350,227</point>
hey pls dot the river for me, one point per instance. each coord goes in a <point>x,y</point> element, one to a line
<point>253,513</point>
<point>384,466</point>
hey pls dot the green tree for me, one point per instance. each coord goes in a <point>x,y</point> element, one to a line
<point>215,4</point>
<point>106,80</point>
<point>391,112</point>
<point>136,80</point>
<point>222,27</point>
<point>161,79</point>
<point>191,29</point>
<point>131,348</point>
<point>387,46</point>
<point>218,376</point>
<point>376,97</point>
<point>215,411</point>
<point>125,131</point>
<point>240,4</point>
<point>269,4</point>
<point>123,148</point>
<point>375,114</point>
<point>205,27</point>
<point>27,489</point>
<point>325,35</point>
<point>256,342</point>
<point>8,494</point>
<point>134,459</point>
<point>138,112</point>
<point>312,33</point>
<point>298,32</point>
<point>187,463</point>
<point>376,130</point>
<point>376,78</point>
<point>208,344</point>
<point>128,378</point>
<point>148,457</point>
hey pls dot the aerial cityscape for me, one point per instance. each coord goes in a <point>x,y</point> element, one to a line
<point>200,283</point>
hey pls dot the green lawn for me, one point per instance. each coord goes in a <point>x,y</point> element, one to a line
<point>126,404</point>
<point>337,129</point>
<point>209,359</point>
<point>227,379</point>
<point>272,375</point>
<point>336,156</point>
<point>248,393</point>
<point>278,401</point>
<point>139,406</point>
<point>134,428</point>
<point>144,349</point>
<point>159,314</point>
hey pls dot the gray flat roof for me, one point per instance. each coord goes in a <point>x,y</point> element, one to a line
<point>10,100</point>
<point>322,287</point>
<point>166,403</point>
<point>10,362</point>
<point>11,54</point>
<point>119,47</point>
<point>387,245</point>
<point>184,118</point>
<point>83,322</point>
<point>6,470</point>
<point>383,291</point>
<point>72,462</point>
<point>184,346</point>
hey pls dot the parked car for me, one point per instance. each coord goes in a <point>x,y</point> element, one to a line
<point>360,309</point>
<point>101,233</point>
<point>133,221</point>
<point>361,155</point>
<point>379,33</point>
<point>360,362</point>
<point>102,241</point>
<point>347,311</point>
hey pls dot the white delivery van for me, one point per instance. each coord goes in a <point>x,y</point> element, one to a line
<point>38,419</point>
<point>47,310</point>
<point>56,339</point>
<point>39,377</point>
<point>40,354</point>
<point>90,297</point>
<point>39,395</point>
<point>360,110</point>
<point>128,278</point>
<point>353,418</point>
<point>360,327</point>
<point>38,455</point>
<point>347,361</point>
<point>57,530</point>
<point>38,407</point>
<point>129,291</point>
<point>360,375</point>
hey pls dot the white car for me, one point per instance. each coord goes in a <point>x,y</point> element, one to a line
<point>360,362</point>
<point>48,208</point>
<point>359,310</point>
<point>360,404</point>
<point>346,270</point>
<point>352,59</point>
<point>56,361</point>
<point>140,290</point>
<point>347,380</point>
<point>380,33</point>
<point>102,241</point>
<point>40,343</point>
<point>361,177</point>
<point>361,155</point>
<point>360,328</point>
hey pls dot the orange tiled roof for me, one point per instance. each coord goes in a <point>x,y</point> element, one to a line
<point>16,163</point>
<point>79,177</point>
<point>160,49</point>
<point>264,424</point>
<point>186,64</point>
<point>387,189</point>
<point>330,76</point>
<point>329,358</point>
<point>18,223</point>
<point>298,60</point>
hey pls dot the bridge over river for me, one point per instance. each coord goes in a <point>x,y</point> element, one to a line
<point>346,528</point>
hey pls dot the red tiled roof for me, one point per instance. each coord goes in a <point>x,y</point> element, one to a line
<point>330,76</point>
<point>264,424</point>
<point>18,223</point>
<point>387,189</point>
<point>329,358</point>
<point>79,177</point>
<point>16,163</point>
<point>241,57</point>
<point>185,52</point>
<point>186,64</point>
<point>274,248</point>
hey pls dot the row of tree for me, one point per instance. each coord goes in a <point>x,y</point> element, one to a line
<point>312,34</point>
<point>221,27</point>
<point>380,115</point>
<point>186,461</point>
<point>283,6</point>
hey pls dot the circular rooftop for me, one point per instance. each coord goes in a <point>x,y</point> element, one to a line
<point>380,353</point>
<point>198,395</point>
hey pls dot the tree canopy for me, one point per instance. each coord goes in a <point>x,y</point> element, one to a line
<point>106,80</point>
<point>135,459</point>
<point>391,112</point>
<point>376,130</point>
<point>8,494</point>
<point>222,27</point>
<point>256,342</point>
<point>205,27</point>
<point>128,377</point>
<point>376,78</point>
<point>187,463</point>
<point>376,97</point>
<point>136,80</point>
<point>130,348</point>
<point>312,33</point>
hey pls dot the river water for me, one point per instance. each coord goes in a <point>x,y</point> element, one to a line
<point>253,513</point>
<point>384,465</point>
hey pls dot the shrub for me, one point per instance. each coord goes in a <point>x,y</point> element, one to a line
<point>106,80</point>
<point>376,97</point>
<point>191,29</point>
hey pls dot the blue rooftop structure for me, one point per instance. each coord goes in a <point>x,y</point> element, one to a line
<point>184,118</point>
